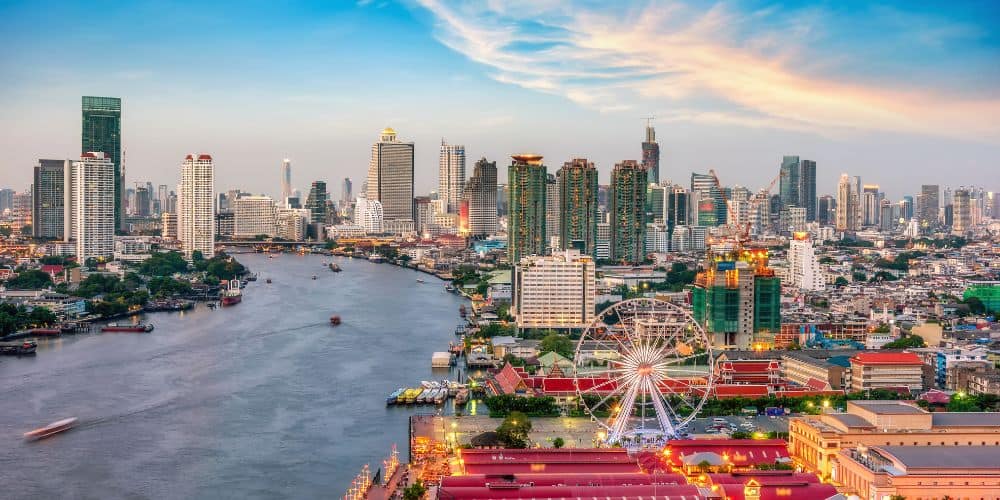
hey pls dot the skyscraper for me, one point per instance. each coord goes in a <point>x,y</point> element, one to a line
<point>906,207</point>
<point>789,181</point>
<point>847,205</point>
<point>390,176</point>
<point>526,185</point>
<point>962,212</point>
<point>451,175</point>
<point>676,211</point>
<point>710,206</point>
<point>628,212</point>
<point>929,206</point>
<point>651,155</point>
<point>807,188</point>
<point>196,206</point>
<point>871,201</point>
<point>286,180</point>
<point>552,216</point>
<point>578,205</point>
<point>102,132</point>
<point>480,194</point>
<point>51,200</point>
<point>825,212</point>
<point>93,202</point>
<point>345,191</point>
<point>316,202</point>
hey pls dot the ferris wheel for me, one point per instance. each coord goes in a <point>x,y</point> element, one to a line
<point>643,370</point>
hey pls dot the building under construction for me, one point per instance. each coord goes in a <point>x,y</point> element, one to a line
<point>737,298</point>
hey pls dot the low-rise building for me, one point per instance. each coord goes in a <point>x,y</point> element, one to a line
<point>893,471</point>
<point>886,370</point>
<point>818,374</point>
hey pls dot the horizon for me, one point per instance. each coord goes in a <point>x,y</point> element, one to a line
<point>902,99</point>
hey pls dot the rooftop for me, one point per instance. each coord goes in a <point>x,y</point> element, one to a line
<point>945,457</point>
<point>886,358</point>
<point>888,407</point>
<point>970,419</point>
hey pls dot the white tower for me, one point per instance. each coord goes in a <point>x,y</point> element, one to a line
<point>196,206</point>
<point>451,175</point>
<point>94,206</point>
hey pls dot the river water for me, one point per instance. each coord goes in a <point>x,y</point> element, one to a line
<point>260,400</point>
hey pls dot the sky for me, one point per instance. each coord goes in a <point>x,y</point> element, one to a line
<point>901,93</point>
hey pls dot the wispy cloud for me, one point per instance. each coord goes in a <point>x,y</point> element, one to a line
<point>716,65</point>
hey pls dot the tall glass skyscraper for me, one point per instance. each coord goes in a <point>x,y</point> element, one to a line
<point>789,181</point>
<point>807,188</point>
<point>102,132</point>
<point>578,205</point>
<point>651,155</point>
<point>628,212</point>
<point>526,184</point>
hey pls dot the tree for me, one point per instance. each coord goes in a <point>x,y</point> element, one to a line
<point>32,279</point>
<point>976,305</point>
<point>558,443</point>
<point>513,432</point>
<point>415,491</point>
<point>41,316</point>
<point>840,281</point>
<point>557,343</point>
<point>704,466</point>
<point>905,342</point>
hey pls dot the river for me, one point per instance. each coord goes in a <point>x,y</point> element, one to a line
<point>261,400</point>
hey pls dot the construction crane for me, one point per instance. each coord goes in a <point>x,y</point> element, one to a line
<point>740,230</point>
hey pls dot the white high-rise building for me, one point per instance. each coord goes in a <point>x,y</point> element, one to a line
<point>804,271</point>
<point>451,175</point>
<point>291,223</point>
<point>94,206</point>
<point>848,212</point>
<point>196,206</point>
<point>368,214</point>
<point>286,180</point>
<point>254,216</point>
<point>390,176</point>
<point>557,291</point>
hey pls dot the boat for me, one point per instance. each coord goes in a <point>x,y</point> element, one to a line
<point>128,327</point>
<point>391,400</point>
<point>334,320</point>
<point>334,267</point>
<point>414,395</point>
<point>45,331</point>
<point>420,280</point>
<point>232,295</point>
<point>462,396</point>
<point>314,276</point>
<point>462,311</point>
<point>440,396</point>
<point>53,428</point>
<point>376,258</point>
<point>449,287</point>
<point>18,348</point>
<point>268,281</point>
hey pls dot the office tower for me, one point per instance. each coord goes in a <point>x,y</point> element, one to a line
<point>807,188</point>
<point>804,271</point>
<point>102,132</point>
<point>847,205</point>
<point>316,202</point>
<point>423,211</point>
<point>824,210</point>
<point>577,209</point>
<point>503,197</point>
<point>51,200</point>
<point>551,213</point>
<point>603,197</point>
<point>603,241</point>
<point>871,201</point>
<point>93,202</point>
<point>143,200</point>
<point>368,214</point>
<point>6,199</point>
<point>656,203</point>
<point>676,210</point>
<point>526,184</point>
<point>286,179</point>
<point>739,205</point>
<point>130,204</point>
<point>196,206</point>
<point>162,193</point>
<point>789,181</point>
<point>451,175</point>
<point>710,209</point>
<point>760,212</point>
<point>345,191</point>
<point>886,222</point>
<point>557,291</point>
<point>254,216</point>
<point>929,206</point>
<point>906,206</point>
<point>962,212</point>
<point>390,176</point>
<point>628,212</point>
<point>651,155</point>
<point>480,195</point>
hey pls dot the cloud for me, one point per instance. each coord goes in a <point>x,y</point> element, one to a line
<point>720,65</point>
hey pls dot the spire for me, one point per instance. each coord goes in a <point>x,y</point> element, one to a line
<point>650,131</point>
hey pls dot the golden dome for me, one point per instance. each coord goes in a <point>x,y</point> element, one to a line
<point>388,131</point>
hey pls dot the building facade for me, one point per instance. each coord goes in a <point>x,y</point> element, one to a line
<point>807,188</point>
<point>93,204</point>
<point>651,155</point>
<point>196,206</point>
<point>577,181</point>
<point>451,175</point>
<point>316,201</point>
<point>886,370</point>
<point>254,216</point>
<point>557,291</point>
<point>847,210</point>
<point>286,180</point>
<point>803,266</point>
<point>788,182</point>
<point>526,184</point>
<point>480,196</point>
<point>390,176</point>
<point>368,214</point>
<point>102,132</point>
<point>51,200</point>
<point>628,212</point>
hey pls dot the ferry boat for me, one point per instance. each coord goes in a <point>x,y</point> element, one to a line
<point>376,258</point>
<point>314,276</point>
<point>268,281</point>
<point>420,280</point>
<point>53,428</point>
<point>334,320</point>
<point>232,295</point>
<point>391,400</point>
<point>128,327</point>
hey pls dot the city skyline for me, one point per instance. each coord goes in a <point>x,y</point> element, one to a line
<point>515,98</point>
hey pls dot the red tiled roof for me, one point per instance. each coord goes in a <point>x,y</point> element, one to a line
<point>740,452</point>
<point>817,384</point>
<point>886,358</point>
<point>52,269</point>
<point>737,390</point>
<point>509,380</point>
<point>651,492</point>
<point>751,366</point>
<point>556,385</point>
<point>808,491</point>
<point>204,157</point>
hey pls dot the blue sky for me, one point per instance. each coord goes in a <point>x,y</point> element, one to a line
<point>900,94</point>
